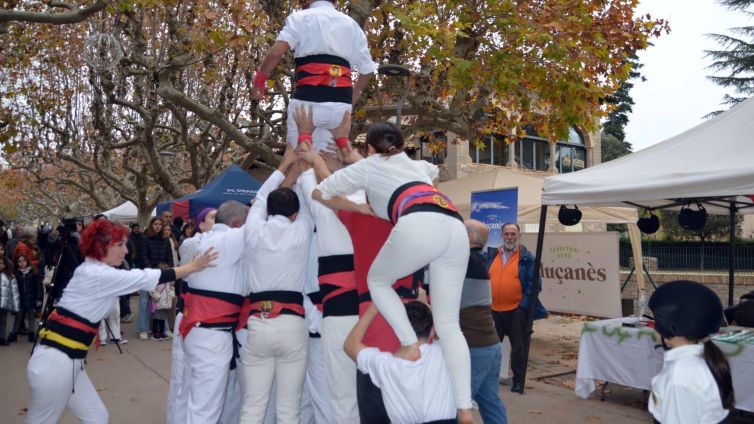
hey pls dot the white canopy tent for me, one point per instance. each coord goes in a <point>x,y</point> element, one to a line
<point>125,212</point>
<point>712,163</point>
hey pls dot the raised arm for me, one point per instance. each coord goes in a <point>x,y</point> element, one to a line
<point>269,63</point>
<point>354,342</point>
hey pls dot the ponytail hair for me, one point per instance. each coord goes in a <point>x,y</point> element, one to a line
<point>720,368</point>
<point>385,138</point>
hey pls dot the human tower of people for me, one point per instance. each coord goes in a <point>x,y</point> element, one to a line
<point>244,335</point>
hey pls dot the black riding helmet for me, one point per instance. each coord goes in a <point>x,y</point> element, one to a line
<point>686,309</point>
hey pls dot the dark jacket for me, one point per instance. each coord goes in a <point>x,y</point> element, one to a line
<point>526,276</point>
<point>30,288</point>
<point>158,250</point>
<point>138,255</point>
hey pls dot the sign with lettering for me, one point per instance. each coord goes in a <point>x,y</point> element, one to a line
<point>580,273</point>
<point>495,208</point>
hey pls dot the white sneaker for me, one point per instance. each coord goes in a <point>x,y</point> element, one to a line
<point>144,336</point>
<point>169,334</point>
<point>102,343</point>
<point>119,341</point>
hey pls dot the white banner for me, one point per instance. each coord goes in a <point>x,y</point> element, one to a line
<point>580,273</point>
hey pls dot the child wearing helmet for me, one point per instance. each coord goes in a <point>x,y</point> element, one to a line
<point>695,384</point>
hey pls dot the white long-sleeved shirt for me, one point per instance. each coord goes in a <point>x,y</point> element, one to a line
<point>278,248</point>
<point>227,275</point>
<point>321,29</point>
<point>685,391</point>
<point>379,176</point>
<point>332,236</point>
<point>414,391</point>
<point>95,286</point>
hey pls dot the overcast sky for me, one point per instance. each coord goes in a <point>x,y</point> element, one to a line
<point>677,94</point>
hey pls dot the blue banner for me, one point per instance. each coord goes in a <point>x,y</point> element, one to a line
<point>495,208</point>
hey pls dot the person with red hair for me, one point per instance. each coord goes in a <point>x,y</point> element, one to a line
<point>56,371</point>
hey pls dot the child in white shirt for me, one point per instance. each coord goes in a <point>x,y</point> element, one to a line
<point>694,386</point>
<point>413,391</point>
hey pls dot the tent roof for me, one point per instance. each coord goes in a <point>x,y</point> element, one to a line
<point>714,160</point>
<point>126,211</point>
<point>529,192</point>
<point>233,184</point>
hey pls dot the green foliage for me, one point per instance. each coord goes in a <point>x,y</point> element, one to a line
<point>716,229</point>
<point>733,62</point>
<point>613,148</point>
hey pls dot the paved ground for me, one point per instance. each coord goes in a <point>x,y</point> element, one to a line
<point>134,385</point>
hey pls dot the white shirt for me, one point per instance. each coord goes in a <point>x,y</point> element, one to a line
<point>379,176</point>
<point>413,391</point>
<point>279,248</point>
<point>227,275</point>
<point>685,392</point>
<point>332,236</point>
<point>321,29</point>
<point>187,250</point>
<point>95,286</point>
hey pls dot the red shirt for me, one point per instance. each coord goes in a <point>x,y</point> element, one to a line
<point>368,234</point>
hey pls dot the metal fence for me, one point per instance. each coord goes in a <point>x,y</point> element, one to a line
<point>692,256</point>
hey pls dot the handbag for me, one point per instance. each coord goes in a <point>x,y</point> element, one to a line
<point>165,298</point>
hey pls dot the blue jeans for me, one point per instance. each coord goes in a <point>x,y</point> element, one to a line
<point>142,323</point>
<point>485,386</point>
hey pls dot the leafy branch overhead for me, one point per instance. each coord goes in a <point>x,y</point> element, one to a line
<point>173,106</point>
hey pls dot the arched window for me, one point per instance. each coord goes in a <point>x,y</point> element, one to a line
<point>533,152</point>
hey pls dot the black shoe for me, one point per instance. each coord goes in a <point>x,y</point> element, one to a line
<point>32,338</point>
<point>517,388</point>
<point>12,338</point>
<point>3,342</point>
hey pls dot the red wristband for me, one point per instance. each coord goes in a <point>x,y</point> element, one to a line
<point>260,80</point>
<point>342,142</point>
<point>305,138</point>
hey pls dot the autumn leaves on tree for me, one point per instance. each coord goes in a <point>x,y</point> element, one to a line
<point>177,107</point>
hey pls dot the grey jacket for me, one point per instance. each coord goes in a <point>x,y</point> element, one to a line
<point>10,298</point>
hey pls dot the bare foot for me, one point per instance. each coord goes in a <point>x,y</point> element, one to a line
<point>410,352</point>
<point>465,417</point>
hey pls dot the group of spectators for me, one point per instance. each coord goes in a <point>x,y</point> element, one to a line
<point>28,255</point>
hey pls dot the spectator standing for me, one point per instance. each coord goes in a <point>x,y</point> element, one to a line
<point>27,246</point>
<point>31,292</point>
<point>9,296</point>
<point>479,329</point>
<point>511,277</point>
<point>187,232</point>
<point>155,249</point>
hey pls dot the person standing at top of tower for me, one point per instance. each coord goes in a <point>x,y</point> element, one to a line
<point>327,45</point>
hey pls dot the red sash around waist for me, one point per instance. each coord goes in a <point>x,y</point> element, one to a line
<point>326,74</point>
<point>204,308</point>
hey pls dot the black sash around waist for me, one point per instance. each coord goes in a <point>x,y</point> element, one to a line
<point>321,93</point>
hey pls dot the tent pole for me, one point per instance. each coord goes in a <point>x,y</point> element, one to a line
<point>534,295</point>
<point>732,253</point>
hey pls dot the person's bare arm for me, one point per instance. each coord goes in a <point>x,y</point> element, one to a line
<point>361,83</point>
<point>269,63</point>
<point>354,342</point>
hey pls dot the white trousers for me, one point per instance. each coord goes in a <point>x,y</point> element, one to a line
<point>315,406</point>
<point>177,397</point>
<point>341,370</point>
<point>327,115</point>
<point>113,320</point>
<point>207,353</point>
<point>275,350</point>
<point>57,382</point>
<point>441,241</point>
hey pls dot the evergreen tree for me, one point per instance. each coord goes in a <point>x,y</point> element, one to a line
<point>734,61</point>
<point>617,119</point>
